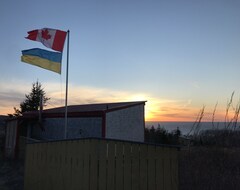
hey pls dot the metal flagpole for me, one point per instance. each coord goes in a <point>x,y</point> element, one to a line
<point>66,94</point>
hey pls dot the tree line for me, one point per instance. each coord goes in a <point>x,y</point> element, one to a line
<point>160,135</point>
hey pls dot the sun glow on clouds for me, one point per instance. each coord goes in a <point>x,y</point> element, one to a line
<point>156,109</point>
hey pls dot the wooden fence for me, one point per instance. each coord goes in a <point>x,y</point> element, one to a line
<point>97,164</point>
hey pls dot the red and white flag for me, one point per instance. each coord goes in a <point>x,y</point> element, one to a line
<point>51,38</point>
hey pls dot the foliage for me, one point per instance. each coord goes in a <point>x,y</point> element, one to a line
<point>32,101</point>
<point>209,167</point>
<point>162,136</point>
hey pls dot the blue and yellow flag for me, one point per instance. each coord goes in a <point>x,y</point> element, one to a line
<point>43,58</point>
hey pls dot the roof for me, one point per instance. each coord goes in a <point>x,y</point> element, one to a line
<point>85,109</point>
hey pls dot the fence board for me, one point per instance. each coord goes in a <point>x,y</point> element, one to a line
<point>86,172</point>
<point>119,165</point>
<point>174,169</point>
<point>167,169</point>
<point>52,166</point>
<point>61,169</point>
<point>127,167</point>
<point>143,167</point>
<point>71,153</point>
<point>159,169</point>
<point>151,168</point>
<point>102,180</point>
<point>135,167</point>
<point>57,166</point>
<point>81,162</point>
<point>28,166</point>
<point>93,165</point>
<point>76,171</point>
<point>43,178</point>
<point>111,166</point>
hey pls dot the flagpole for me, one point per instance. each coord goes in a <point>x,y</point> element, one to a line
<point>66,94</point>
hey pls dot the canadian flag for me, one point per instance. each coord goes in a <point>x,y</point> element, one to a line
<point>51,38</point>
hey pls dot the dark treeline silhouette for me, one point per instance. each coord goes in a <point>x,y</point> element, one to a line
<point>162,136</point>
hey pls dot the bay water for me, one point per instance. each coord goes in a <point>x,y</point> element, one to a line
<point>185,127</point>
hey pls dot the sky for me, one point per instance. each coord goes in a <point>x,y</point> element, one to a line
<point>177,55</point>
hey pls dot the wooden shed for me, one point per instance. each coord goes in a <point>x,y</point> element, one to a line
<point>122,120</point>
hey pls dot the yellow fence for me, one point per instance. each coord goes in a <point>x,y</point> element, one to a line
<point>96,164</point>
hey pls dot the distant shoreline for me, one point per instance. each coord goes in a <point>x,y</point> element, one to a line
<point>186,126</point>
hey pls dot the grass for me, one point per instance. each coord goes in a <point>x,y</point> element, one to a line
<point>209,168</point>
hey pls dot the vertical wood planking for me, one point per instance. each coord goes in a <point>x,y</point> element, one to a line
<point>151,168</point>
<point>69,155</point>
<point>119,165</point>
<point>64,165</point>
<point>167,169</point>
<point>102,180</point>
<point>58,165</point>
<point>34,169</point>
<point>26,169</point>
<point>143,167</point>
<point>101,165</point>
<point>81,156</point>
<point>52,165</point>
<point>159,168</point>
<point>33,181</point>
<point>86,163</point>
<point>93,164</point>
<point>28,166</point>
<point>44,177</point>
<point>127,167</point>
<point>61,161</point>
<point>135,167</point>
<point>76,181</point>
<point>174,169</point>
<point>48,167</point>
<point>111,166</point>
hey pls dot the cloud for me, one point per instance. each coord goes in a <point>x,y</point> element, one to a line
<point>156,108</point>
<point>10,96</point>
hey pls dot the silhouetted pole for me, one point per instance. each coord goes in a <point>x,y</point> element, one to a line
<point>66,94</point>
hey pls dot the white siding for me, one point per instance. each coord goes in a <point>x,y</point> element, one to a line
<point>126,124</point>
<point>77,128</point>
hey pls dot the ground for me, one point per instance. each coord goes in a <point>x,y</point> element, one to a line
<point>11,175</point>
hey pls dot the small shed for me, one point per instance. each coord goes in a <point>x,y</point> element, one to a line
<point>122,121</point>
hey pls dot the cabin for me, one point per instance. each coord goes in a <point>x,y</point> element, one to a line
<point>121,121</point>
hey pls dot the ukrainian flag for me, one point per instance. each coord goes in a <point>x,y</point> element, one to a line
<point>43,58</point>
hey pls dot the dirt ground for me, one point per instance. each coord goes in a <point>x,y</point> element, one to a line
<point>11,175</point>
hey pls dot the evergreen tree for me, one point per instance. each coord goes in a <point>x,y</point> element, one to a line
<point>32,101</point>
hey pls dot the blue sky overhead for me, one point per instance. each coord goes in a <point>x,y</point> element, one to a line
<point>177,55</point>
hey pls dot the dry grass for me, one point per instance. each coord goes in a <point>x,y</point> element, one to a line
<point>209,167</point>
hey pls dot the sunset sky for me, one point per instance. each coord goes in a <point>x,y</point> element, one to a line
<point>176,55</point>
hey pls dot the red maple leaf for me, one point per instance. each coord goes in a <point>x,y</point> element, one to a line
<point>45,34</point>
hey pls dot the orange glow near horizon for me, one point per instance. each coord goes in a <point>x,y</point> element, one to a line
<point>155,109</point>
<point>153,113</point>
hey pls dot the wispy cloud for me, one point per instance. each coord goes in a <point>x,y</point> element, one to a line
<point>156,109</point>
